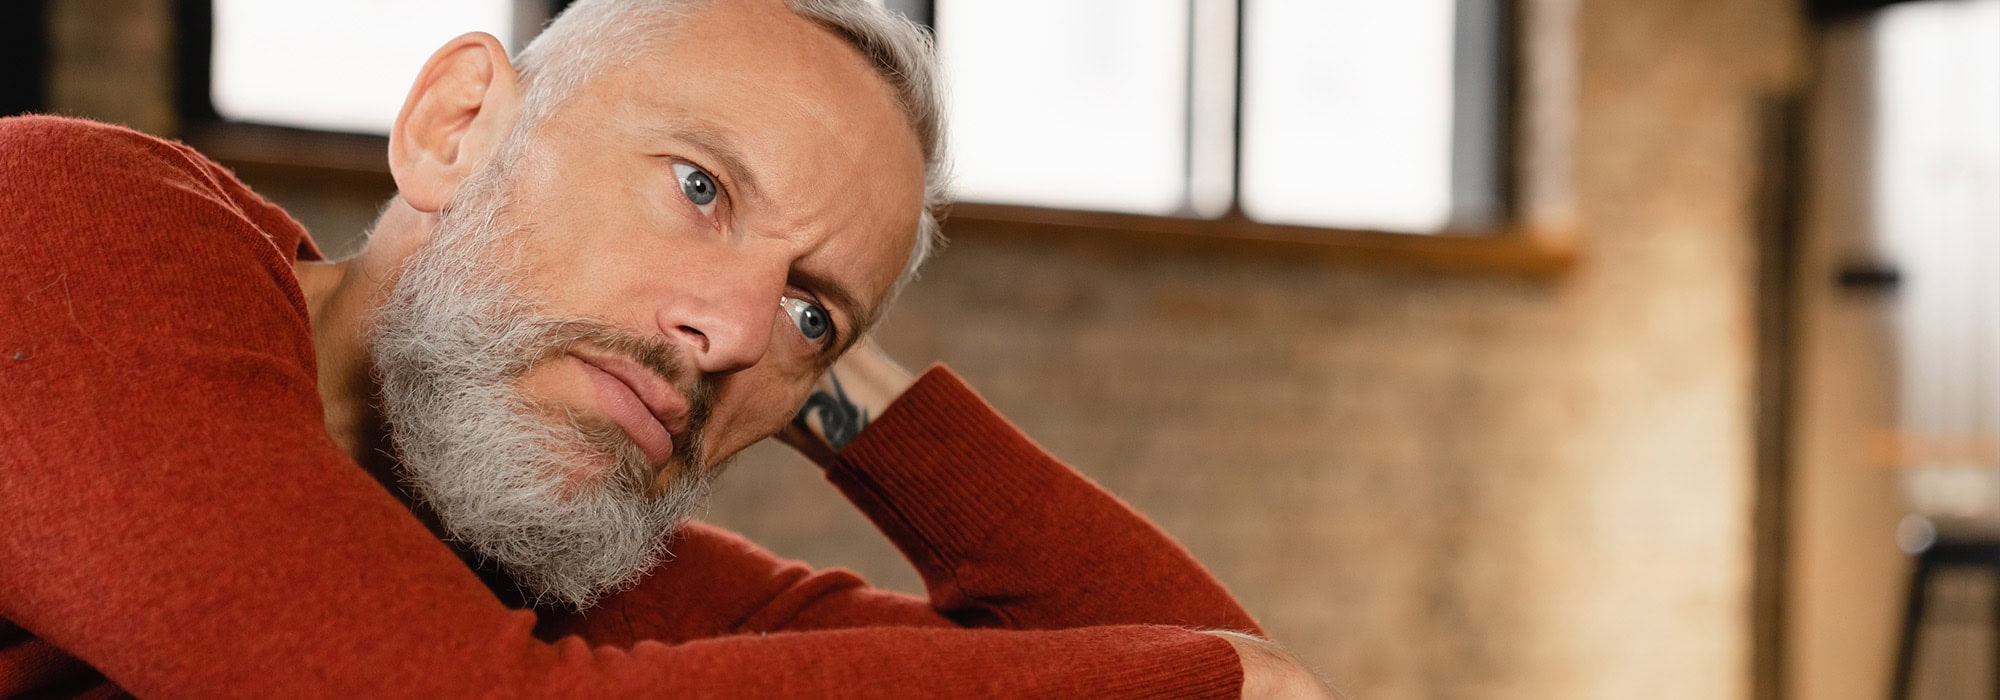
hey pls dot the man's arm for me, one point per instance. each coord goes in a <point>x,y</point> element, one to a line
<point>1069,554</point>
<point>1002,533</point>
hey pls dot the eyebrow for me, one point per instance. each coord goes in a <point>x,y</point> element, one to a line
<point>708,138</point>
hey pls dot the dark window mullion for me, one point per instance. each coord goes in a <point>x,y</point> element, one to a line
<point>1480,129</point>
<point>1187,114</point>
<point>24,49</point>
<point>1236,120</point>
<point>919,11</point>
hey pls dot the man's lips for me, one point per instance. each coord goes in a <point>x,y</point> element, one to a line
<point>639,401</point>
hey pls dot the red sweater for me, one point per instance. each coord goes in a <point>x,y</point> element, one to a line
<point>174,520</point>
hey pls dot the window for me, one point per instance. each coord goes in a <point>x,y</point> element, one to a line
<point>1933,171</point>
<point>1333,113</point>
<point>1324,123</point>
<point>335,66</point>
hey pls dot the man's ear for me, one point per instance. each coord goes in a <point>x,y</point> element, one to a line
<point>459,111</point>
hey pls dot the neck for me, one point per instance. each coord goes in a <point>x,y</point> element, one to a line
<point>341,298</point>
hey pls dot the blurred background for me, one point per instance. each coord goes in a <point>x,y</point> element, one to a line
<point>1484,348</point>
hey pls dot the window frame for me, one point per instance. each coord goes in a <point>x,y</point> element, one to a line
<point>1522,244</point>
<point>1511,246</point>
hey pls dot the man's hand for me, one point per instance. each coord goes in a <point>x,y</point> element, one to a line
<point>1271,672</point>
<point>852,393</point>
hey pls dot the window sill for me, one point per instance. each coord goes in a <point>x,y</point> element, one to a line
<point>1501,251</point>
<point>263,147</point>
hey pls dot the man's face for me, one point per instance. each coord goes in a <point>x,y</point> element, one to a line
<point>747,195</point>
<point>645,284</point>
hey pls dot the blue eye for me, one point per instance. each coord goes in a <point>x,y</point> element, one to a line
<point>811,319</point>
<point>697,185</point>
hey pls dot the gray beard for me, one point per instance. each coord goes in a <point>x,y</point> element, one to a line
<point>500,474</point>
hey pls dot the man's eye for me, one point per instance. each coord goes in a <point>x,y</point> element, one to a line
<point>811,319</point>
<point>698,186</point>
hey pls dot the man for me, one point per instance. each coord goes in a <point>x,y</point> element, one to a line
<point>607,269</point>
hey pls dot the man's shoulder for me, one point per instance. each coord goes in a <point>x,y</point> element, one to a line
<point>80,170</point>
<point>79,188</point>
<point>103,224</point>
<point>55,148</point>
<point>58,173</point>
<point>31,129</point>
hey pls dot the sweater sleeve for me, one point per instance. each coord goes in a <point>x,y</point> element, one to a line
<point>176,517</point>
<point>1006,535</point>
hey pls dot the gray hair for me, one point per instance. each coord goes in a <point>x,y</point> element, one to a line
<point>590,35</point>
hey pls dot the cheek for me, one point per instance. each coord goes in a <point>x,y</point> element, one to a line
<point>591,232</point>
<point>751,408</point>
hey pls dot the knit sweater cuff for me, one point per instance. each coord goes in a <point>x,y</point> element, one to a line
<point>940,469</point>
<point>1181,664</point>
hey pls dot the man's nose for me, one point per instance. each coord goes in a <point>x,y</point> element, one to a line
<point>727,329</point>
